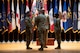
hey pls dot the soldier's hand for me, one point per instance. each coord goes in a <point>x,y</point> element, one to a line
<point>0,29</point>
<point>2,20</point>
<point>35,28</point>
<point>48,31</point>
<point>3,27</point>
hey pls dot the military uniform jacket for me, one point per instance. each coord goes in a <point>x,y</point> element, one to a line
<point>1,25</point>
<point>28,22</point>
<point>57,27</point>
<point>40,21</point>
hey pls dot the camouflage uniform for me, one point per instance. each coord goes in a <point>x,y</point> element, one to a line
<point>57,30</point>
<point>46,32</point>
<point>41,28</point>
<point>29,32</point>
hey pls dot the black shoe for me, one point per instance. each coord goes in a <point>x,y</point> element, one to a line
<point>58,48</point>
<point>40,49</point>
<point>29,48</point>
<point>45,47</point>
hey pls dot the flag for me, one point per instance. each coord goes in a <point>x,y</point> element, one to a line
<point>69,17</point>
<point>18,16</point>
<point>60,14</point>
<point>27,6</point>
<point>55,7</point>
<point>75,17</point>
<point>51,18</point>
<point>65,26</point>
<point>39,4</point>
<point>34,8</point>
<point>45,7</point>
<point>5,27</point>
<point>9,17</point>
<point>13,16</point>
<point>60,6</point>
<point>64,11</point>
<point>79,16</point>
<point>22,20</point>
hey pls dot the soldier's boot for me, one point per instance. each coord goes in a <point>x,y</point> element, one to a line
<point>28,43</point>
<point>41,49</point>
<point>45,46</point>
<point>59,47</point>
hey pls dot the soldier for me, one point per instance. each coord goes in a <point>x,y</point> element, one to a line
<point>46,32</point>
<point>0,22</point>
<point>29,27</point>
<point>1,27</point>
<point>41,27</point>
<point>57,30</point>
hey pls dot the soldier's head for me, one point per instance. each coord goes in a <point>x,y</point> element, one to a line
<point>56,15</point>
<point>41,11</point>
<point>27,13</point>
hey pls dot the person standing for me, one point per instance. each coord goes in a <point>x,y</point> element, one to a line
<point>1,27</point>
<point>41,27</point>
<point>46,32</point>
<point>0,22</point>
<point>29,29</point>
<point>57,30</point>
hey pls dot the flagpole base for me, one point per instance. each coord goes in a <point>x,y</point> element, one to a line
<point>3,42</point>
<point>13,41</point>
<point>8,41</point>
<point>22,41</point>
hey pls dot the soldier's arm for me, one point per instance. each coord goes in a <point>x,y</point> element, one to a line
<point>8,21</point>
<point>35,24</point>
<point>26,21</point>
<point>48,23</point>
<point>59,26</point>
<point>2,20</point>
<point>0,29</point>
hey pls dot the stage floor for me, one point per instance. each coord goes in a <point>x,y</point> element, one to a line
<point>20,47</point>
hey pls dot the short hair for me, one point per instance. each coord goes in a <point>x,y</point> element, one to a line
<point>41,11</point>
<point>27,13</point>
<point>56,15</point>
